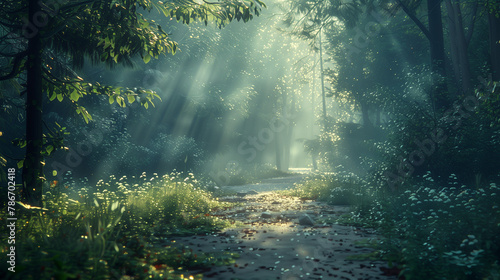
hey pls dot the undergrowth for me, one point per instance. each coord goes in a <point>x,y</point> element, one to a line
<point>428,231</point>
<point>110,231</point>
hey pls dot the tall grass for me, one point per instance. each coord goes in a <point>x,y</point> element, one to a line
<point>110,231</point>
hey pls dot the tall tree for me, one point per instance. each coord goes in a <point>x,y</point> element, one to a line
<point>493,9</point>
<point>308,19</point>
<point>108,31</point>
<point>459,42</point>
<point>434,34</point>
<point>33,164</point>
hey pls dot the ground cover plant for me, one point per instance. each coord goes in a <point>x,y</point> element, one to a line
<point>443,232</point>
<point>430,231</point>
<point>116,229</point>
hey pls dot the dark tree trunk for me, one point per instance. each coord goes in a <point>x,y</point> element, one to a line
<point>367,124</point>
<point>494,22</point>
<point>436,41</point>
<point>439,93</point>
<point>32,174</point>
<point>459,47</point>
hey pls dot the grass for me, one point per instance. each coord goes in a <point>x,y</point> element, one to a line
<point>110,231</point>
<point>332,189</point>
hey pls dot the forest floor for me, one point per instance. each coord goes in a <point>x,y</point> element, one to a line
<point>276,240</point>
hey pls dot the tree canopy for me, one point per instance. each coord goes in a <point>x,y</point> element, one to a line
<point>44,41</point>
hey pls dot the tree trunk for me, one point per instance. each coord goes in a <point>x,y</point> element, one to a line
<point>323,94</point>
<point>439,92</point>
<point>279,150</point>
<point>367,124</point>
<point>494,22</point>
<point>459,44</point>
<point>287,147</point>
<point>32,174</point>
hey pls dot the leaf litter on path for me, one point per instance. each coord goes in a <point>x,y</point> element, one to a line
<point>272,244</point>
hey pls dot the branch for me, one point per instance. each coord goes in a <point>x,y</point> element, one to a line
<point>77,4</point>
<point>212,3</point>
<point>15,68</point>
<point>14,26</point>
<point>415,20</point>
<point>49,80</point>
<point>20,9</point>
<point>57,79</point>
<point>61,64</point>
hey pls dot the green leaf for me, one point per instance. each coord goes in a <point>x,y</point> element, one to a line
<point>147,58</point>
<point>107,43</point>
<point>111,99</point>
<point>74,95</point>
<point>20,163</point>
<point>49,149</point>
<point>60,97</point>
<point>54,173</point>
<point>52,96</point>
<point>85,117</point>
<point>131,98</point>
<point>121,101</point>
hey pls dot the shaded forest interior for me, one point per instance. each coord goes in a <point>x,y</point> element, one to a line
<point>120,111</point>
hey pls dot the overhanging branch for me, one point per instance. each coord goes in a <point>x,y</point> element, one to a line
<point>415,20</point>
<point>16,67</point>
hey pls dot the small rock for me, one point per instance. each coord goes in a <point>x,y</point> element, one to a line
<point>241,194</point>
<point>252,192</point>
<point>291,216</point>
<point>266,215</point>
<point>306,220</point>
<point>231,233</point>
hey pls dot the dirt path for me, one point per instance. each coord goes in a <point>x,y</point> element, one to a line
<point>285,238</point>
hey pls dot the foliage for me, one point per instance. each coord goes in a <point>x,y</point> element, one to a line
<point>41,40</point>
<point>110,232</point>
<point>106,146</point>
<point>440,232</point>
<point>347,147</point>
<point>428,230</point>
<point>467,146</point>
<point>436,232</point>
<point>177,152</point>
<point>336,189</point>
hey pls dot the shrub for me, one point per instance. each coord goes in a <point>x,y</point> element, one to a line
<point>339,189</point>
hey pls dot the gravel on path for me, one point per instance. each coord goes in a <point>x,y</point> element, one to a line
<point>275,243</point>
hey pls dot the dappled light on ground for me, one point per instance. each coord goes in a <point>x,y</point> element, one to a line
<point>273,243</point>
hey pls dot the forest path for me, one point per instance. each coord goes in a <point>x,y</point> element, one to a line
<point>274,244</point>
